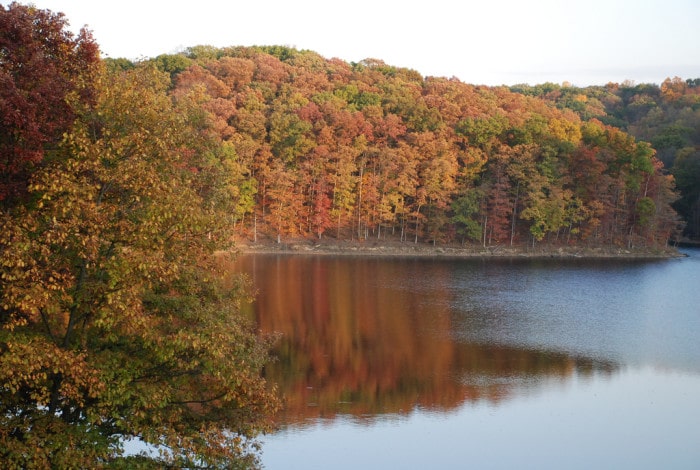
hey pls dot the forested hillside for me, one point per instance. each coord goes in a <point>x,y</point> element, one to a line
<point>323,148</point>
<point>667,116</point>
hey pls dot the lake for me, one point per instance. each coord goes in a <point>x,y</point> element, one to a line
<point>481,363</point>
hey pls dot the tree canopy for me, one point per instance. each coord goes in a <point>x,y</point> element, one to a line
<point>323,148</point>
<point>667,116</point>
<point>45,73</point>
<point>117,322</point>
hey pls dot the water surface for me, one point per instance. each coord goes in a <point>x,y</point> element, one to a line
<point>496,363</point>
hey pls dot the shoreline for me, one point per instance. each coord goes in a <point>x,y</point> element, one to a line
<point>409,249</point>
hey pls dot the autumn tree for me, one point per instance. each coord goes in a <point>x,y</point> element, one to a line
<point>116,324</point>
<point>403,155</point>
<point>499,208</point>
<point>664,115</point>
<point>45,73</point>
<point>320,215</point>
<point>437,179</point>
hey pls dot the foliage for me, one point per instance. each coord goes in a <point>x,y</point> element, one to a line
<point>666,115</point>
<point>116,323</point>
<point>378,151</point>
<point>45,73</point>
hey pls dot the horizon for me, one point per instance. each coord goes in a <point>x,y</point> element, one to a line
<point>504,42</point>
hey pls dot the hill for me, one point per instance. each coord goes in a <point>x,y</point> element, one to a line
<point>323,148</point>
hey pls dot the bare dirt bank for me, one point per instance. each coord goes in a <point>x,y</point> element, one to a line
<point>409,249</point>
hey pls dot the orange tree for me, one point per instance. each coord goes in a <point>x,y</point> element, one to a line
<point>115,324</point>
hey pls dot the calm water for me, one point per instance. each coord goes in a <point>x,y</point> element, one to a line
<point>433,363</point>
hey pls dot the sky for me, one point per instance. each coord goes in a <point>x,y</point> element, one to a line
<point>489,42</point>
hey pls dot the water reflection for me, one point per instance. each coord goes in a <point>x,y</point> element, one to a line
<point>482,363</point>
<point>368,337</point>
<point>637,419</point>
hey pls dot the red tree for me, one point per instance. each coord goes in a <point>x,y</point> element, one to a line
<point>45,73</point>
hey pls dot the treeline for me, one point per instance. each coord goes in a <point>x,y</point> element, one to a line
<point>324,148</point>
<point>667,116</point>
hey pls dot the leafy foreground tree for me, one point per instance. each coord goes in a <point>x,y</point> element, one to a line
<point>115,322</point>
<point>44,71</point>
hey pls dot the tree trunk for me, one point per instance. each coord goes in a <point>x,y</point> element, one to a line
<point>515,212</point>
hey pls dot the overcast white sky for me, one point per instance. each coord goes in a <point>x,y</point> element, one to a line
<point>492,42</point>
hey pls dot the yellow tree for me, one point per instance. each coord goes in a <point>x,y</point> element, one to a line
<point>115,323</point>
<point>437,177</point>
<point>343,181</point>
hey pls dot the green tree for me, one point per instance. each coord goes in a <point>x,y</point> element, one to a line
<point>645,211</point>
<point>686,171</point>
<point>115,320</point>
<point>288,134</point>
<point>172,63</point>
<point>466,209</point>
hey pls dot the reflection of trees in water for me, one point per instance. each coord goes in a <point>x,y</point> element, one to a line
<point>351,345</point>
